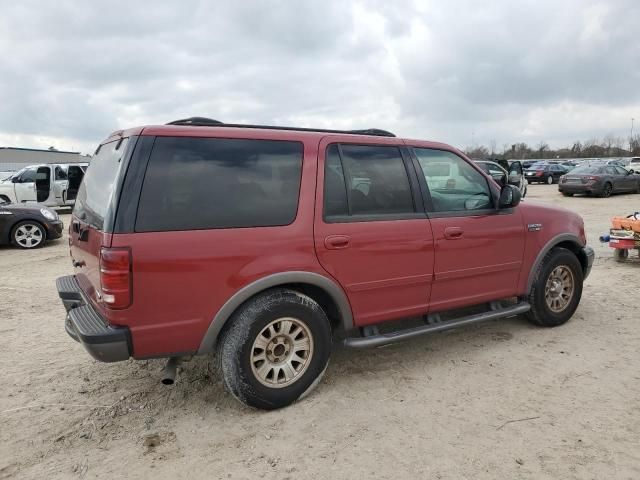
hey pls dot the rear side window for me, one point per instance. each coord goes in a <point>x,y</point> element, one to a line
<point>364,180</point>
<point>207,183</point>
<point>98,185</point>
<point>61,173</point>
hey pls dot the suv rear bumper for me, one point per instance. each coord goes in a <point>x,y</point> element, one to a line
<point>85,325</point>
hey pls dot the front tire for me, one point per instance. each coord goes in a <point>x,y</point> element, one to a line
<point>28,235</point>
<point>275,349</point>
<point>550,180</point>
<point>556,290</point>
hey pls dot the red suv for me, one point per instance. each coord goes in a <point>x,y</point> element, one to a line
<point>260,243</point>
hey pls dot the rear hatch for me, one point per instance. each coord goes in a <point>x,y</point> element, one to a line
<point>93,215</point>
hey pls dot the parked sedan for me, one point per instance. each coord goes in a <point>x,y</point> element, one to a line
<point>600,180</point>
<point>28,226</point>
<point>544,173</point>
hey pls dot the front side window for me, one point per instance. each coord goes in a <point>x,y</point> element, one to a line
<point>363,180</point>
<point>208,183</point>
<point>454,185</point>
<point>29,175</point>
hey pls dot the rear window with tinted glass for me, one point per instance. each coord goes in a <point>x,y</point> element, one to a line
<point>98,184</point>
<point>206,183</point>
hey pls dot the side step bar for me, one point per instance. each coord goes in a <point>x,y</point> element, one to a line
<point>378,340</point>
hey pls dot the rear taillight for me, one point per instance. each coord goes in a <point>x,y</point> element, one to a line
<point>115,277</point>
<point>590,179</point>
<point>539,173</point>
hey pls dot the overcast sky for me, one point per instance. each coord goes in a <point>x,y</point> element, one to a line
<point>453,71</point>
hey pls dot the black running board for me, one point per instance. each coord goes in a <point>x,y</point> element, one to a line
<point>378,340</point>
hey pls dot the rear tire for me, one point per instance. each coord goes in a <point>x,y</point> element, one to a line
<point>606,190</point>
<point>275,349</point>
<point>556,290</point>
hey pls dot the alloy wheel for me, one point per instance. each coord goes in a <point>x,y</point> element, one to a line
<point>559,289</point>
<point>28,235</point>
<point>281,352</point>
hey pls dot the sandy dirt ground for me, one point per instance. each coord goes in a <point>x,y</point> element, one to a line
<point>501,399</point>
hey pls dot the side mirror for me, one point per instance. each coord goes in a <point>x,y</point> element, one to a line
<point>631,171</point>
<point>510,197</point>
<point>16,180</point>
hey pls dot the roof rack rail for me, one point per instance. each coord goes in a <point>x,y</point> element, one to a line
<point>197,121</point>
<point>209,122</point>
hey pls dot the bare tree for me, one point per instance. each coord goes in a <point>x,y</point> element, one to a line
<point>477,152</point>
<point>607,143</point>
<point>542,148</point>
<point>493,146</point>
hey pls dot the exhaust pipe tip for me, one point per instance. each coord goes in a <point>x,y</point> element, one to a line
<point>170,371</point>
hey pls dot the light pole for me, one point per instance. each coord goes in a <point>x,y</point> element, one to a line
<point>631,137</point>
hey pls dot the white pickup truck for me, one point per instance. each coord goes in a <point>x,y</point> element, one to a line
<point>54,185</point>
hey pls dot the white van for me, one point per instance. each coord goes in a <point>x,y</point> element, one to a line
<point>54,185</point>
<point>634,164</point>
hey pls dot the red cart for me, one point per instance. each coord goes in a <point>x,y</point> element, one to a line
<point>625,235</point>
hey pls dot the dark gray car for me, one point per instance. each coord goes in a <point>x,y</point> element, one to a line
<point>600,180</point>
<point>28,225</point>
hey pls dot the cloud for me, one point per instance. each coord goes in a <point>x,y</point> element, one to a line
<point>504,71</point>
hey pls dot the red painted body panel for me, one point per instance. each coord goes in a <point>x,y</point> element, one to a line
<point>182,279</point>
<point>86,254</point>
<point>388,269</point>
<point>554,221</point>
<point>481,264</point>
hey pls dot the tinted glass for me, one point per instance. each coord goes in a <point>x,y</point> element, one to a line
<point>335,191</point>
<point>98,185</point>
<point>61,173</point>
<point>29,175</point>
<point>586,170</point>
<point>204,183</point>
<point>515,168</point>
<point>375,178</point>
<point>454,185</point>
<point>621,171</point>
<point>611,170</point>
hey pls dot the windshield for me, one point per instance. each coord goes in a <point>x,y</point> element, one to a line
<point>12,175</point>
